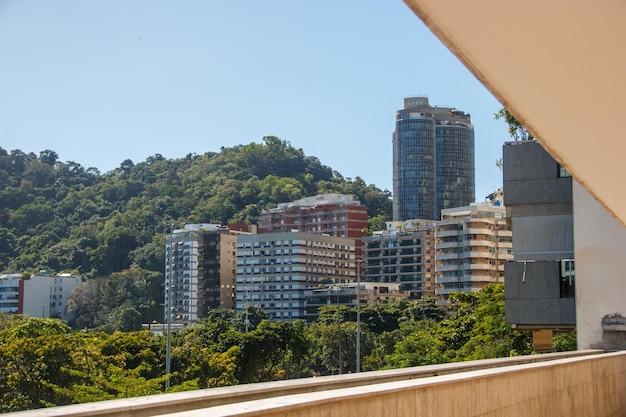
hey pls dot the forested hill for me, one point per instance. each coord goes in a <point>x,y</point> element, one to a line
<point>69,218</point>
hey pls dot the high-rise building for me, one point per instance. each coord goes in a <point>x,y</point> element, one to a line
<point>200,271</point>
<point>433,160</point>
<point>336,215</point>
<point>404,253</point>
<point>274,270</point>
<point>472,244</point>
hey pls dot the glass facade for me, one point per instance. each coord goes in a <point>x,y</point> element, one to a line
<point>433,160</point>
<point>455,167</point>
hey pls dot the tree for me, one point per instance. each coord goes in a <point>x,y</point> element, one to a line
<point>516,130</point>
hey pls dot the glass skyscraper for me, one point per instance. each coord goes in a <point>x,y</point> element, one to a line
<point>433,160</point>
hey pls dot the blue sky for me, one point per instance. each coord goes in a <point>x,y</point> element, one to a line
<point>103,81</point>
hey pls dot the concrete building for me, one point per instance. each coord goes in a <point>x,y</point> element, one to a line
<point>336,215</point>
<point>433,160</point>
<point>472,244</point>
<point>10,292</point>
<point>540,279</point>
<point>404,253</point>
<point>200,271</point>
<point>346,295</point>
<point>45,294</point>
<point>274,270</point>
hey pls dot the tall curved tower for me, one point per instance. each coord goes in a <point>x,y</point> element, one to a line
<point>433,160</point>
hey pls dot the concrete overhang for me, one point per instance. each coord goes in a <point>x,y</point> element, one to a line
<point>559,67</point>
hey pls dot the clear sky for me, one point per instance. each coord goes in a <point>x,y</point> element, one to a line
<point>103,81</point>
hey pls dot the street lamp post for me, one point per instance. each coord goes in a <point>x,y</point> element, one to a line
<point>168,311</point>
<point>358,315</point>
<point>339,330</point>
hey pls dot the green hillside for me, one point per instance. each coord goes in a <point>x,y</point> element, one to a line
<point>68,218</point>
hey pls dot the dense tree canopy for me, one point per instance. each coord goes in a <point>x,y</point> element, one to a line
<point>63,216</point>
<point>46,363</point>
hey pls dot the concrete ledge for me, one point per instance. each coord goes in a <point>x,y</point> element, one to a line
<point>201,399</point>
<point>581,386</point>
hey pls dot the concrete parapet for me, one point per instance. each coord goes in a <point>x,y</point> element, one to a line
<point>581,383</point>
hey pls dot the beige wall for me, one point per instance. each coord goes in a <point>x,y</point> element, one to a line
<point>590,386</point>
<point>600,253</point>
<point>228,269</point>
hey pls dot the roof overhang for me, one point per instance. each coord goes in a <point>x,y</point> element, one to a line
<point>559,67</point>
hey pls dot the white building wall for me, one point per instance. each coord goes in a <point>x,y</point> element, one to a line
<point>47,295</point>
<point>600,253</point>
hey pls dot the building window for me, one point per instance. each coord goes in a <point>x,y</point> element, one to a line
<point>562,172</point>
<point>567,279</point>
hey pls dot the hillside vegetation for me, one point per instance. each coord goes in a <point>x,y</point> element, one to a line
<point>68,218</point>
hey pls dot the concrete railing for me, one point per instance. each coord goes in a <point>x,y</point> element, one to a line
<point>549,384</point>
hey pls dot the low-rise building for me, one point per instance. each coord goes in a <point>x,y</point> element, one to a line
<point>346,295</point>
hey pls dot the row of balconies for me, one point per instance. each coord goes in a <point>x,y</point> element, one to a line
<point>472,267</point>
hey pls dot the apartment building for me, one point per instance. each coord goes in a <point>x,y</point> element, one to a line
<point>45,294</point>
<point>274,270</point>
<point>200,270</point>
<point>336,215</point>
<point>403,253</point>
<point>10,292</point>
<point>346,295</point>
<point>472,244</point>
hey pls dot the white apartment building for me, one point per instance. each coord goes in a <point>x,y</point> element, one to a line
<point>274,270</point>
<point>45,294</point>
<point>472,244</point>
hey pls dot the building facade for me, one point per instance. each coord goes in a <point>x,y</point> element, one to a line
<point>200,271</point>
<point>472,244</point>
<point>404,253</point>
<point>274,270</point>
<point>540,280</point>
<point>45,294</point>
<point>346,295</point>
<point>433,160</point>
<point>10,293</point>
<point>336,215</point>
